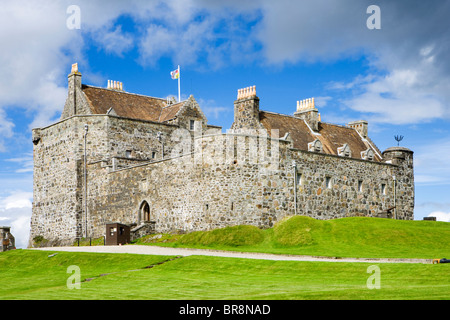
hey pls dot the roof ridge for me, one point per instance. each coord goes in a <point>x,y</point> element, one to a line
<point>281,114</point>
<point>336,125</point>
<point>125,92</point>
<point>174,104</point>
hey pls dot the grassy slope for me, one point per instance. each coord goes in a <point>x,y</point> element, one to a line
<point>26,274</point>
<point>347,237</point>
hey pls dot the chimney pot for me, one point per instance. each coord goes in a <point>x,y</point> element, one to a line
<point>75,68</point>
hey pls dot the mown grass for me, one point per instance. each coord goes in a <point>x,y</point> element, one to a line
<point>33,275</point>
<point>38,275</point>
<point>26,274</point>
<point>357,237</point>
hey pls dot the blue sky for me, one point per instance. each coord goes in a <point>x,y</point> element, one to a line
<point>397,77</point>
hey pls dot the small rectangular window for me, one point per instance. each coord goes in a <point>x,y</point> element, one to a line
<point>360,186</point>
<point>128,154</point>
<point>383,188</point>
<point>153,155</point>
<point>328,182</point>
<point>299,179</point>
<point>192,124</point>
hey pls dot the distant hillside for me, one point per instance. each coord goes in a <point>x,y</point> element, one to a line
<point>358,237</point>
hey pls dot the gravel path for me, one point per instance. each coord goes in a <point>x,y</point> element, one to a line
<point>154,250</point>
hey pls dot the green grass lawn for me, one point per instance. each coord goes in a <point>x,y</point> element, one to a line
<point>26,274</point>
<point>30,275</point>
<point>357,237</point>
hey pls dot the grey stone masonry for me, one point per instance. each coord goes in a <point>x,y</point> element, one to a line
<point>7,240</point>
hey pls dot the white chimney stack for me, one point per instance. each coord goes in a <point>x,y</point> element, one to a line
<point>115,85</point>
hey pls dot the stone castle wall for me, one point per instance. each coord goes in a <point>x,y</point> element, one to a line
<point>186,194</point>
<point>58,203</point>
<point>226,181</point>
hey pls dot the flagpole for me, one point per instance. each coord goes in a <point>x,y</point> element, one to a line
<point>179,90</point>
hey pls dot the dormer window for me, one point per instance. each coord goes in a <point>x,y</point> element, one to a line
<point>368,155</point>
<point>344,151</point>
<point>315,146</point>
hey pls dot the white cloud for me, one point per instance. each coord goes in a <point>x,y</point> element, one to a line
<point>18,199</point>
<point>408,76</point>
<point>33,34</point>
<point>431,162</point>
<point>26,163</point>
<point>116,42</point>
<point>321,102</point>
<point>19,221</point>
<point>211,109</point>
<point>440,216</point>
<point>15,212</point>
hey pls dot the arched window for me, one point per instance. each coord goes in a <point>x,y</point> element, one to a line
<point>144,212</point>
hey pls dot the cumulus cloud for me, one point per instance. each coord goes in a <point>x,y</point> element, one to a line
<point>116,42</point>
<point>431,163</point>
<point>408,70</point>
<point>18,199</point>
<point>440,216</point>
<point>32,59</point>
<point>15,212</point>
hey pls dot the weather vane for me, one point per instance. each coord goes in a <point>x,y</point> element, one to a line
<point>398,139</point>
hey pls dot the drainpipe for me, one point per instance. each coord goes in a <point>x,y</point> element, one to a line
<point>395,196</point>
<point>86,128</point>
<point>294,166</point>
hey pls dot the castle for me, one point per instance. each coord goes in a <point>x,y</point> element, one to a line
<point>159,166</point>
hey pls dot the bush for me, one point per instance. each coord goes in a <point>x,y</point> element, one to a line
<point>39,241</point>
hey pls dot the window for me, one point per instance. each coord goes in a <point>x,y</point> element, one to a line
<point>128,154</point>
<point>360,186</point>
<point>315,146</point>
<point>328,182</point>
<point>383,188</point>
<point>144,211</point>
<point>192,125</point>
<point>153,155</point>
<point>299,179</point>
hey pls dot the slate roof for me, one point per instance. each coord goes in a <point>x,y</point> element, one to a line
<point>332,136</point>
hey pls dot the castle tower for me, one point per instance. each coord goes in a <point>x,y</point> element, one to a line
<point>402,181</point>
<point>246,110</point>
